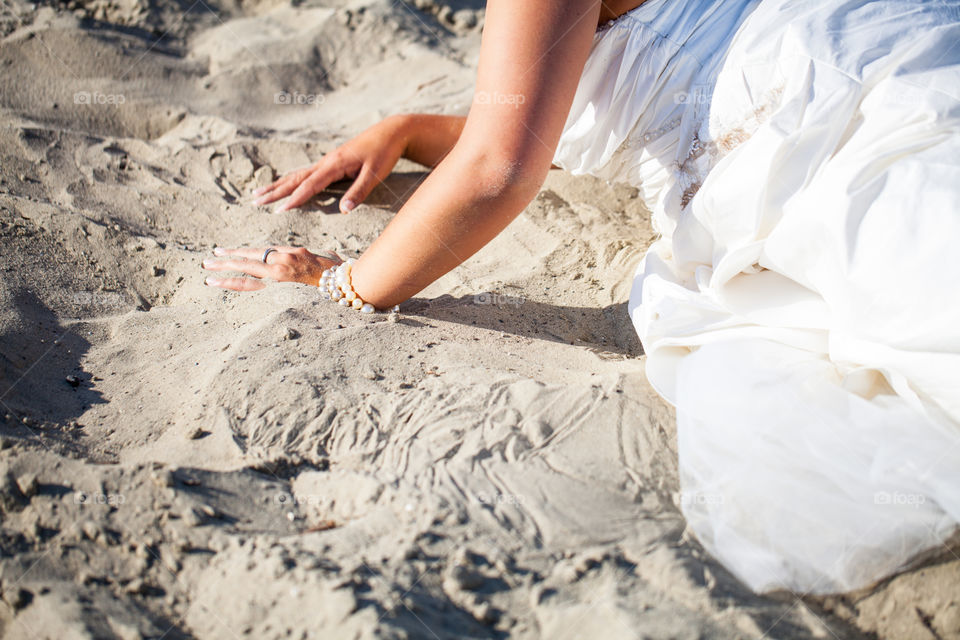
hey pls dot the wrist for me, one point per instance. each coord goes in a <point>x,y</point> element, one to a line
<point>402,127</point>
<point>336,284</point>
<point>365,285</point>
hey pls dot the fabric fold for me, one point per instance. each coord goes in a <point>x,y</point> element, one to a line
<point>802,163</point>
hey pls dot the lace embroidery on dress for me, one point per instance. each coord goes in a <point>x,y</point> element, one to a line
<point>702,156</point>
<point>637,141</point>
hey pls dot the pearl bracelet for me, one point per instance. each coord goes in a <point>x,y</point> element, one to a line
<point>337,285</point>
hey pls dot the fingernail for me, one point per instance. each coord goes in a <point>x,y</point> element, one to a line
<point>258,201</point>
<point>218,251</point>
<point>212,282</point>
<point>206,263</point>
<point>347,205</point>
<point>258,191</point>
<point>281,208</point>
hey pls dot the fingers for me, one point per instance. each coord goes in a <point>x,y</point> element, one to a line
<point>253,268</point>
<point>281,188</point>
<point>287,264</point>
<point>366,180</point>
<point>261,190</point>
<point>313,184</point>
<point>250,253</point>
<point>256,254</point>
<point>235,284</point>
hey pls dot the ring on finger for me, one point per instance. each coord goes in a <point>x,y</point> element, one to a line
<point>266,253</point>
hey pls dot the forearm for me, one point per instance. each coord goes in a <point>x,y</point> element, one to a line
<point>447,220</point>
<point>502,152</point>
<point>429,138</point>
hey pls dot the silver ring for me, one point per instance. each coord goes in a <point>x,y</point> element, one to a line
<point>265,254</point>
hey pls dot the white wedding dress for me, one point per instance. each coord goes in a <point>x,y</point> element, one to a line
<point>801,308</point>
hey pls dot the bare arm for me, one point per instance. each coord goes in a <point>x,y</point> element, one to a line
<point>430,138</point>
<point>531,58</point>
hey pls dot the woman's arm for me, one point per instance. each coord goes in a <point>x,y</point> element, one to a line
<point>531,58</point>
<point>368,159</point>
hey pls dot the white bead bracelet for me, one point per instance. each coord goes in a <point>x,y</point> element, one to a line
<point>337,285</point>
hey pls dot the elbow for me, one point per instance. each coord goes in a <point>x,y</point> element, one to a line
<point>504,177</point>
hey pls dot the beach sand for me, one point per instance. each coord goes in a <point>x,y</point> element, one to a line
<point>179,461</point>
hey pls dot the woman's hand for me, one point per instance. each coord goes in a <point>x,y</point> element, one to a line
<point>283,264</point>
<point>368,159</point>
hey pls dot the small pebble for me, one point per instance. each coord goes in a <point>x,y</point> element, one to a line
<point>135,586</point>
<point>465,19</point>
<point>484,613</point>
<point>171,562</point>
<point>90,529</point>
<point>567,573</point>
<point>73,381</point>
<point>28,484</point>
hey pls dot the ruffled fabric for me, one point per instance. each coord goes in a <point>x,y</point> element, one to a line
<point>798,309</point>
<point>644,93</point>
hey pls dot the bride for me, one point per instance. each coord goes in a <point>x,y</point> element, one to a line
<point>802,163</point>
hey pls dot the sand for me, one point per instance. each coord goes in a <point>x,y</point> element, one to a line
<point>178,461</point>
